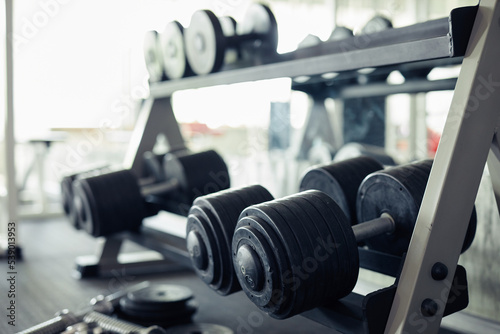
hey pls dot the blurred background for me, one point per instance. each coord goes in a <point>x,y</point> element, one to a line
<point>80,79</point>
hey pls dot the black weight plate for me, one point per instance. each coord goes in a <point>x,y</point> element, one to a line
<point>340,33</point>
<point>383,193</point>
<point>259,288</point>
<point>418,73</point>
<point>198,174</point>
<point>205,43</point>
<point>200,221</point>
<point>298,251</point>
<point>258,20</point>
<point>67,194</point>
<point>376,24</point>
<point>306,234</point>
<point>152,314</point>
<point>347,248</point>
<point>292,253</point>
<point>326,270</point>
<point>152,56</point>
<point>274,297</point>
<point>341,180</point>
<point>221,217</point>
<point>200,328</point>
<point>335,261</point>
<point>161,296</point>
<point>173,52</point>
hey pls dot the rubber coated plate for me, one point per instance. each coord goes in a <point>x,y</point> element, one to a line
<point>205,43</point>
<point>306,235</point>
<point>152,56</point>
<point>161,296</point>
<point>200,329</point>
<point>153,315</point>
<point>173,51</point>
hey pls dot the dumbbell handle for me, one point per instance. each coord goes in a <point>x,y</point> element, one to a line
<point>160,188</point>
<point>65,318</point>
<point>384,224</point>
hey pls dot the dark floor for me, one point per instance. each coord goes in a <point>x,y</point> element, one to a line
<point>44,285</point>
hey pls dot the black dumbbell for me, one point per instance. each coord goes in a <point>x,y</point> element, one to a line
<point>210,228</point>
<point>354,149</point>
<point>340,180</point>
<point>173,51</point>
<point>207,41</point>
<point>119,201</point>
<point>398,191</point>
<point>153,57</point>
<point>67,191</point>
<point>300,252</point>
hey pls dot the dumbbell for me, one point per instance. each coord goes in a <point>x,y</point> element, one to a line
<point>173,51</point>
<point>115,202</point>
<point>300,252</point>
<point>340,180</point>
<point>375,25</point>
<point>353,149</point>
<point>208,38</point>
<point>210,227</point>
<point>153,56</point>
<point>67,191</point>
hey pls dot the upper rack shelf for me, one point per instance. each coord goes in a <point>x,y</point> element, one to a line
<point>411,47</point>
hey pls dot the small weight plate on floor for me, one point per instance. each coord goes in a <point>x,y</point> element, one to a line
<point>160,297</point>
<point>152,56</point>
<point>147,317</point>
<point>173,51</point>
<point>205,43</point>
<point>200,328</point>
<point>258,20</point>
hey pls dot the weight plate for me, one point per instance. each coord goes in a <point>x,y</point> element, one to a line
<point>340,181</point>
<point>347,247</point>
<point>67,194</point>
<point>205,43</point>
<point>331,238</point>
<point>173,51</point>
<point>340,33</point>
<point>376,24</point>
<point>200,328</point>
<point>210,237</point>
<point>289,260</point>
<point>327,275</point>
<point>198,174</point>
<point>152,56</point>
<point>260,22</point>
<point>153,315</point>
<point>161,296</point>
<point>306,234</point>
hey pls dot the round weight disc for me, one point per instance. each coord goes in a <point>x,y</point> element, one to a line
<point>160,297</point>
<point>173,51</point>
<point>200,328</point>
<point>198,174</point>
<point>108,203</point>
<point>205,43</point>
<point>340,181</point>
<point>376,24</point>
<point>259,20</point>
<point>340,33</point>
<point>354,150</point>
<point>152,56</point>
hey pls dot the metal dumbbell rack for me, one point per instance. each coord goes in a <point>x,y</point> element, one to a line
<point>424,291</point>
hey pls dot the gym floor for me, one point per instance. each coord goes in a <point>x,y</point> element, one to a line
<point>45,284</point>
